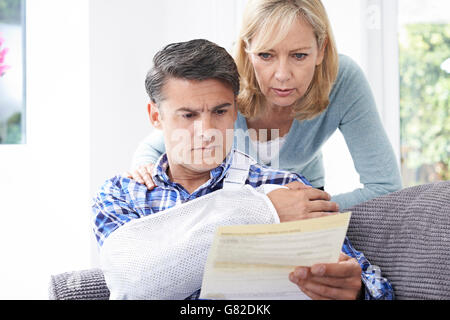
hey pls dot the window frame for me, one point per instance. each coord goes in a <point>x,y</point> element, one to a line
<point>24,109</point>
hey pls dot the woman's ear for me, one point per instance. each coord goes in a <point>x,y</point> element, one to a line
<point>154,114</point>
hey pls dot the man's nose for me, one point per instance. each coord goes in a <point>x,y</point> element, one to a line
<point>205,127</point>
<point>207,122</point>
<point>282,72</point>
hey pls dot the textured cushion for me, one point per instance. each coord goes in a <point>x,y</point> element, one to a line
<point>79,285</point>
<point>407,234</point>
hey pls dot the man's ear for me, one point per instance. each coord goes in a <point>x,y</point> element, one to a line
<point>154,114</point>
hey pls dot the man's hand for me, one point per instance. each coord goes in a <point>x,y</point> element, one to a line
<point>337,281</point>
<point>142,174</point>
<point>301,202</point>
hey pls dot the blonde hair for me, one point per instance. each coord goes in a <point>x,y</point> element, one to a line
<point>272,19</point>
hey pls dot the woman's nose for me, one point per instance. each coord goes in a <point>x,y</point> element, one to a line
<point>282,72</point>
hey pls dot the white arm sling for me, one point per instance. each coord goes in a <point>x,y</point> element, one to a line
<point>162,256</point>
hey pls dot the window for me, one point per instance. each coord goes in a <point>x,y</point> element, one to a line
<point>12,80</point>
<point>424,62</point>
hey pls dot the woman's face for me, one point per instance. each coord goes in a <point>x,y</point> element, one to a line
<point>285,72</point>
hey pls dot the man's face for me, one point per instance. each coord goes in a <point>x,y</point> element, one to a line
<point>197,119</point>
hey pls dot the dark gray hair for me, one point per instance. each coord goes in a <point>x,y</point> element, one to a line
<point>197,59</point>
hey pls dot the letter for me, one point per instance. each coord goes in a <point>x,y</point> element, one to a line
<point>260,311</point>
<point>211,310</point>
<point>266,309</point>
<point>251,309</point>
<point>227,309</point>
<point>183,310</point>
<point>181,151</point>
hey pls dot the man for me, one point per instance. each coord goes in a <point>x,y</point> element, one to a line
<point>193,87</point>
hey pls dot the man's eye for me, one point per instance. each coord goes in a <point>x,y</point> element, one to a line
<point>300,56</point>
<point>264,55</point>
<point>221,112</point>
<point>188,115</point>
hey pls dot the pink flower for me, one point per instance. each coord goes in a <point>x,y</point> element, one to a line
<point>3,69</point>
<point>3,53</point>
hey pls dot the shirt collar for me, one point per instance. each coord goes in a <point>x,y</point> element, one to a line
<point>161,178</point>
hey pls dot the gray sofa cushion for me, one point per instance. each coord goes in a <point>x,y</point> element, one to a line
<point>407,234</point>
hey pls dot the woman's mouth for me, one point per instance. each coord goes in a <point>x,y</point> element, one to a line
<point>283,92</point>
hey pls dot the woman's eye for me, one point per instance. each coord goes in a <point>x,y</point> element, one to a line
<point>265,55</point>
<point>300,56</point>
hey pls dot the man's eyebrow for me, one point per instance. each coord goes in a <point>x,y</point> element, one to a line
<point>186,109</point>
<point>223,105</point>
<point>220,106</point>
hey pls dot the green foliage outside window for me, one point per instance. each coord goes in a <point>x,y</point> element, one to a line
<point>10,11</point>
<point>424,103</point>
<point>12,130</point>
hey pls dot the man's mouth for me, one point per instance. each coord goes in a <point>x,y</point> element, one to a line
<point>205,148</point>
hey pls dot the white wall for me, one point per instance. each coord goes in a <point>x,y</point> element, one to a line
<point>44,185</point>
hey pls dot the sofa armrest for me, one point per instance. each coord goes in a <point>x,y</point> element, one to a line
<point>79,285</point>
<point>407,234</point>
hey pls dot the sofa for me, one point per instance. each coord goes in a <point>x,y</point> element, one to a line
<point>405,233</point>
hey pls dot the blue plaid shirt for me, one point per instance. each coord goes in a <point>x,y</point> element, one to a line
<point>122,199</point>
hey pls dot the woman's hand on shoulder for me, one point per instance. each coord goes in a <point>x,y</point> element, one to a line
<point>142,174</point>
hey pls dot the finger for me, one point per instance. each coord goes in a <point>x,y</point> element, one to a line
<point>312,215</point>
<point>145,175</point>
<point>300,282</point>
<point>297,185</point>
<point>148,176</point>
<point>150,185</point>
<point>340,269</point>
<point>149,181</point>
<point>136,175</point>
<point>312,294</point>
<point>322,205</point>
<point>350,283</point>
<point>345,288</point>
<point>323,292</point>
<point>149,167</point>
<point>316,194</point>
<point>299,274</point>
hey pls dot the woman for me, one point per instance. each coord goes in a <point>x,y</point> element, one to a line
<point>295,92</point>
